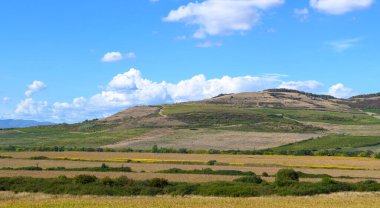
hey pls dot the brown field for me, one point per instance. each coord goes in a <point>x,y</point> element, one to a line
<point>211,139</point>
<point>339,200</point>
<point>150,168</point>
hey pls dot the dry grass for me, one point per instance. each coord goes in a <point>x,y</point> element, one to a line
<point>340,200</point>
<point>149,167</point>
<point>214,139</point>
<point>237,160</point>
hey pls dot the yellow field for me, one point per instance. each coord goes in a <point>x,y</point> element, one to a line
<point>340,200</point>
<point>145,165</point>
<point>236,160</point>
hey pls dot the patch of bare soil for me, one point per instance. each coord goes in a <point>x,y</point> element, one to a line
<point>151,135</point>
<point>135,112</point>
<point>355,130</point>
<point>215,139</point>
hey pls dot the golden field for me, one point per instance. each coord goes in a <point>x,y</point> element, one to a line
<point>145,165</point>
<point>340,200</point>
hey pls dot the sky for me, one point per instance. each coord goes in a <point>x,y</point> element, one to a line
<point>68,61</point>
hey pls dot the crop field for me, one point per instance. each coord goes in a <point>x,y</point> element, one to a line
<point>323,116</point>
<point>340,200</point>
<point>147,165</point>
<point>332,142</point>
<point>60,136</point>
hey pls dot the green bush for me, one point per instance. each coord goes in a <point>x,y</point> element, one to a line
<point>84,179</point>
<point>107,181</point>
<point>286,176</point>
<point>39,158</point>
<point>211,162</point>
<point>159,182</point>
<point>249,179</point>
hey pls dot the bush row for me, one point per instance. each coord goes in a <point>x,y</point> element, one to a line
<point>286,183</point>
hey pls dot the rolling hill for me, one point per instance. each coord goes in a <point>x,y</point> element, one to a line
<point>244,121</point>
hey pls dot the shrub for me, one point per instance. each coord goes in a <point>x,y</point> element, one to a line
<point>107,181</point>
<point>39,158</point>
<point>286,176</point>
<point>123,181</point>
<point>265,174</point>
<point>159,182</point>
<point>249,179</point>
<point>328,180</point>
<point>211,162</point>
<point>84,179</point>
<point>104,166</point>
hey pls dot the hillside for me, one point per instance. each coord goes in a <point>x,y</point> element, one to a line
<point>244,121</point>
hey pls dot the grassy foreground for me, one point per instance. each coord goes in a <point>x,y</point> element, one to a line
<point>341,200</point>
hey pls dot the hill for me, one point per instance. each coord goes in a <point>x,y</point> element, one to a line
<point>11,123</point>
<point>243,121</point>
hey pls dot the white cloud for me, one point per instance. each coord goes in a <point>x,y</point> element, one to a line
<point>132,89</point>
<point>35,87</point>
<point>308,86</point>
<point>31,107</point>
<point>302,14</point>
<point>209,44</point>
<point>339,7</point>
<point>218,17</point>
<point>343,45</point>
<point>117,56</point>
<point>340,91</point>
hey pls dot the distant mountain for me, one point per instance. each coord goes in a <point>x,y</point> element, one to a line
<point>11,123</point>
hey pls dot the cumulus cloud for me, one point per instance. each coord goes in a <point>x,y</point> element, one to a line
<point>117,56</point>
<point>31,107</point>
<point>216,17</point>
<point>340,91</point>
<point>308,86</point>
<point>339,7</point>
<point>35,87</point>
<point>345,44</point>
<point>132,89</point>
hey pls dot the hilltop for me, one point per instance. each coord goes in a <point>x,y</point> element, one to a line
<point>244,121</point>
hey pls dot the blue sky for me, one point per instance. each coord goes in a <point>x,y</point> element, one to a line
<point>66,61</point>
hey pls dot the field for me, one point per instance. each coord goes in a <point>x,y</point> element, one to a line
<point>147,165</point>
<point>332,142</point>
<point>340,200</point>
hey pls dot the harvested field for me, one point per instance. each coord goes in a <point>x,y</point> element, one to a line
<point>206,139</point>
<point>321,162</point>
<point>339,200</point>
<point>354,130</point>
<point>147,167</point>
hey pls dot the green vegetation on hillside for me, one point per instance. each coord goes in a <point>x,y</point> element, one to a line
<point>331,142</point>
<point>322,116</point>
<point>65,135</point>
<point>233,118</point>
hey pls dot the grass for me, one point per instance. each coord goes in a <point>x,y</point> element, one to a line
<point>331,142</point>
<point>323,116</point>
<point>377,111</point>
<point>62,136</point>
<point>233,118</point>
